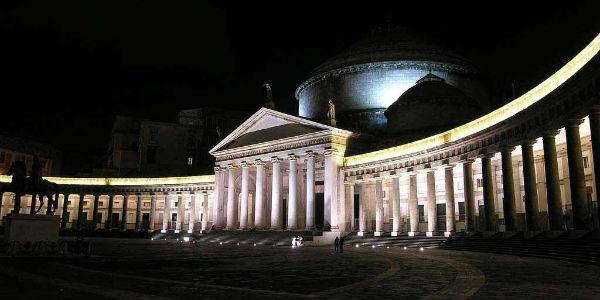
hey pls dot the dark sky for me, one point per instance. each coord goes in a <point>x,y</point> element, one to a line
<point>69,67</point>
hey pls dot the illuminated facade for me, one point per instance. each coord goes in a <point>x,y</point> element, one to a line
<point>529,165</point>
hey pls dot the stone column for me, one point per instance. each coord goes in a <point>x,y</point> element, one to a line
<point>395,194</point>
<point>431,204</point>
<point>469,195</point>
<point>259,202</point>
<point>349,190</point>
<point>292,217</point>
<point>310,191</point>
<point>80,221</point>
<point>330,190</point>
<point>204,197</point>
<point>217,196</point>
<point>555,214</point>
<point>450,203</point>
<point>181,203</point>
<point>531,196</point>
<point>489,201</point>
<point>276,223</point>
<point>111,198</point>
<point>95,213</point>
<point>193,211</point>
<point>138,211</point>
<point>378,207</point>
<point>508,187</point>
<point>362,208</point>
<point>65,210</point>
<point>595,134</point>
<point>582,218</point>
<point>166,213</point>
<point>124,212</point>
<point>232,207</point>
<point>244,196</point>
<point>413,205</point>
<point>152,210</point>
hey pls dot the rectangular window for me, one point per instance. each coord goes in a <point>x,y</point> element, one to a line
<point>585,162</point>
<point>190,161</point>
<point>421,213</point>
<point>479,182</point>
<point>146,204</point>
<point>176,204</point>
<point>461,211</point>
<point>100,203</point>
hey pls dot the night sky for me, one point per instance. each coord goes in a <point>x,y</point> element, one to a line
<point>69,67</point>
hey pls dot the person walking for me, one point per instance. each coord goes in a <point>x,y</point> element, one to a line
<point>336,244</point>
<point>342,244</point>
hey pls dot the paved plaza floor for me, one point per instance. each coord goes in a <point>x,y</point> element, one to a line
<point>143,269</point>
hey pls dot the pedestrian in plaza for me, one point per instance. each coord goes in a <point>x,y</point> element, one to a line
<point>342,244</point>
<point>336,244</point>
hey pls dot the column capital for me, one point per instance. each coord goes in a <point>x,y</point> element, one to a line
<point>218,169</point>
<point>528,143</point>
<point>574,122</point>
<point>275,160</point>
<point>259,162</point>
<point>448,166</point>
<point>292,157</point>
<point>551,133</point>
<point>244,165</point>
<point>467,161</point>
<point>231,167</point>
<point>507,148</point>
<point>329,152</point>
<point>309,154</point>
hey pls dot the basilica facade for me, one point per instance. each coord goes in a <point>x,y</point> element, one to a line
<point>441,163</point>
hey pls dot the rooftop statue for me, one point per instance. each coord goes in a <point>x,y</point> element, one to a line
<point>331,112</point>
<point>269,103</point>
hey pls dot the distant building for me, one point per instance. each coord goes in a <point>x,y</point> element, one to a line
<point>15,149</point>
<point>140,147</point>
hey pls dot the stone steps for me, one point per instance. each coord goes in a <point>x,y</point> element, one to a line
<point>277,238</point>
<point>393,241</point>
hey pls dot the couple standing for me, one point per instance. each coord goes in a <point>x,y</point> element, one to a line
<point>339,244</point>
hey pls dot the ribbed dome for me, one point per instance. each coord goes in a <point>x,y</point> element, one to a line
<point>430,105</point>
<point>392,45</point>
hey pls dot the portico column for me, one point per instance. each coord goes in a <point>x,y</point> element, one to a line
<point>555,214</point>
<point>152,210</point>
<point>111,198</point>
<point>310,190</point>
<point>259,216</point>
<point>95,212</point>
<point>531,196</point>
<point>508,187</point>
<point>138,212</point>
<point>378,207</point>
<point>395,194</point>
<point>204,197</point>
<point>450,204</point>
<point>582,218</point>
<point>65,211</point>
<point>244,197</point>
<point>80,222</point>
<point>330,189</point>
<point>431,204</point>
<point>276,194</point>
<point>413,205</point>
<point>192,220</point>
<point>292,217</point>
<point>217,196</point>
<point>489,200</point>
<point>362,208</point>
<point>469,195</point>
<point>181,203</point>
<point>232,207</point>
<point>595,134</point>
<point>349,190</point>
<point>124,212</point>
<point>166,212</point>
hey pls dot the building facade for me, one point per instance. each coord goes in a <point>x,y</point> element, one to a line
<point>18,149</point>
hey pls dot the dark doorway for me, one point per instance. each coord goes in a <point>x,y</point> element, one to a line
<point>115,220</point>
<point>146,221</point>
<point>356,217</point>
<point>174,220</point>
<point>319,210</point>
<point>441,217</point>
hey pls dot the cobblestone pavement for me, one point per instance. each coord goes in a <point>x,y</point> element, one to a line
<point>142,269</point>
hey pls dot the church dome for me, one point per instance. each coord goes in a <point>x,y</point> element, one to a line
<point>370,75</point>
<point>431,106</point>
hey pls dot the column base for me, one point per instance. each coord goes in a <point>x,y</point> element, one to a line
<point>190,231</point>
<point>275,229</point>
<point>176,230</point>
<point>394,233</point>
<point>163,231</point>
<point>412,233</point>
<point>448,233</point>
<point>360,233</point>
<point>310,228</point>
<point>378,233</point>
<point>430,233</point>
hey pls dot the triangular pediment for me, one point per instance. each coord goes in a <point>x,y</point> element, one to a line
<point>269,125</point>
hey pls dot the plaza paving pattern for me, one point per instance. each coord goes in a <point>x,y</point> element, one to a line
<point>143,269</point>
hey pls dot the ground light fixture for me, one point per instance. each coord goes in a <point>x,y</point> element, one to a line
<point>404,247</point>
<point>356,246</point>
<point>421,249</point>
<point>186,238</point>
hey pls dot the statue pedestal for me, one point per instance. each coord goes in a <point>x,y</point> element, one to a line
<point>31,228</point>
